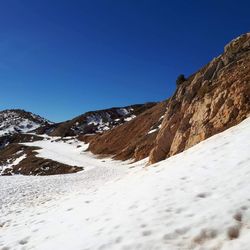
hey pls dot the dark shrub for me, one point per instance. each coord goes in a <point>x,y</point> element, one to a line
<point>180,79</point>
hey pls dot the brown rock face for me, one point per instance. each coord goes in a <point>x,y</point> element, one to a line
<point>134,139</point>
<point>208,102</point>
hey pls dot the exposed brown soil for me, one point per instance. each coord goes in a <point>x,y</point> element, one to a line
<point>32,165</point>
<point>130,140</point>
<point>18,138</point>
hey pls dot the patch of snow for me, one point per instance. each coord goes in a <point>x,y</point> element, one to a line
<point>68,151</point>
<point>152,131</point>
<point>127,119</point>
<point>123,111</point>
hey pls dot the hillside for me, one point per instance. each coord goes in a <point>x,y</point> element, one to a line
<point>16,157</point>
<point>210,101</point>
<point>134,139</point>
<point>95,121</point>
<point>183,202</point>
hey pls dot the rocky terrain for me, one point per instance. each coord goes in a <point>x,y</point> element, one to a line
<point>206,103</point>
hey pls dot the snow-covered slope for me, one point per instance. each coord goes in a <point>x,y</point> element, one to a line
<point>68,151</point>
<point>198,199</point>
<point>19,121</point>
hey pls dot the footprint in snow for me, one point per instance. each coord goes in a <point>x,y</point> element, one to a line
<point>24,241</point>
<point>146,233</point>
<point>203,195</point>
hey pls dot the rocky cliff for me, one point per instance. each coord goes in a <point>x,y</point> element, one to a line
<point>208,102</point>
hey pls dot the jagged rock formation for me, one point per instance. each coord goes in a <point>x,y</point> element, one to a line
<point>208,102</point>
<point>15,121</point>
<point>134,139</point>
<point>95,121</point>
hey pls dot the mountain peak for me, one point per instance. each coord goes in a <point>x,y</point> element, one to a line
<point>19,121</point>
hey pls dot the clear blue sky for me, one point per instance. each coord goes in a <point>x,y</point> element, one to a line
<point>61,58</point>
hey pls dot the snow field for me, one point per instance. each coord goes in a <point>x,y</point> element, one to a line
<point>198,199</point>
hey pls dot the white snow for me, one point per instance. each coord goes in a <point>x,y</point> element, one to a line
<point>189,201</point>
<point>69,152</point>
<point>123,111</point>
<point>129,118</point>
<point>153,130</point>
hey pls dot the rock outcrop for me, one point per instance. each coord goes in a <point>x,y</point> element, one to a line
<point>208,102</point>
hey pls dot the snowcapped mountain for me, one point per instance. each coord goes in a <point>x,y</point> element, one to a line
<point>14,121</point>
<point>95,121</point>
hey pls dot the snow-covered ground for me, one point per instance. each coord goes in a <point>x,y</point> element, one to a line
<point>68,151</point>
<point>199,199</point>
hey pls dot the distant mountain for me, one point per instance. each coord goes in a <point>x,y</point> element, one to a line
<point>15,121</point>
<point>95,121</point>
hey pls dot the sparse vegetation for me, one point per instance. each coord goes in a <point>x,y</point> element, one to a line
<point>180,79</point>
